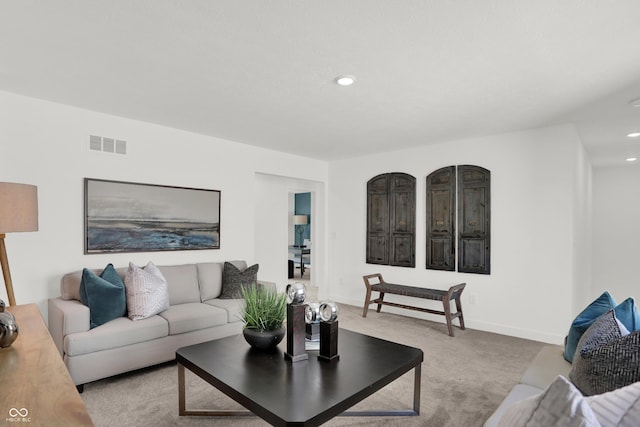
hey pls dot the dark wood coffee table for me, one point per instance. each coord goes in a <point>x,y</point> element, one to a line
<point>305,393</point>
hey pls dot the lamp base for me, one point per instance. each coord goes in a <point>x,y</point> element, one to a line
<point>6,273</point>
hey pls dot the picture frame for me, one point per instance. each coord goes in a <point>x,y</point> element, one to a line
<point>124,216</point>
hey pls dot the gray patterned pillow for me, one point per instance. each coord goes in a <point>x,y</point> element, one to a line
<point>606,358</point>
<point>233,280</point>
<point>147,291</point>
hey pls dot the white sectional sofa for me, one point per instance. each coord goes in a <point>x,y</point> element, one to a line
<point>195,315</point>
<point>546,366</point>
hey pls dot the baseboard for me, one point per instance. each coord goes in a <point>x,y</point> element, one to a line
<point>496,328</point>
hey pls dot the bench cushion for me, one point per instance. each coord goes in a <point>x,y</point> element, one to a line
<point>410,291</point>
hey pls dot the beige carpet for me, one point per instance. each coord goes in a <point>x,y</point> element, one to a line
<point>463,380</point>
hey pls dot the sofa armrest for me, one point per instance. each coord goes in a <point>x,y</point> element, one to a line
<point>545,367</point>
<point>268,285</point>
<point>66,317</point>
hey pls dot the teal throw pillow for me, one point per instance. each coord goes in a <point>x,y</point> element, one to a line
<point>581,323</point>
<point>104,295</point>
<point>628,314</point>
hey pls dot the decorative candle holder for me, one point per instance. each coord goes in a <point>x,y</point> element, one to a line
<point>312,319</point>
<point>328,332</point>
<point>296,294</point>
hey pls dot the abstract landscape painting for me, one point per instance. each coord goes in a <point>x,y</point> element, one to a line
<point>130,217</point>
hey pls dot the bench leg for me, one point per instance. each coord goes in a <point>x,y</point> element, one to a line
<point>459,308</point>
<point>447,314</point>
<point>381,298</point>
<point>367,301</point>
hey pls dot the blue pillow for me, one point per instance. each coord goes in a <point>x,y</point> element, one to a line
<point>628,314</point>
<point>581,323</point>
<point>104,295</point>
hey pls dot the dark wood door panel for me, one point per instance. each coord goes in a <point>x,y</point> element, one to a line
<point>441,208</point>
<point>391,211</point>
<point>474,219</point>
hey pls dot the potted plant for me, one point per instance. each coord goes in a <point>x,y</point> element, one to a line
<point>263,316</point>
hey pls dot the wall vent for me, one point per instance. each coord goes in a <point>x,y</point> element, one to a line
<point>107,145</point>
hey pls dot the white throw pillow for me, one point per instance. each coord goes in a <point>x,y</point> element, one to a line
<point>147,291</point>
<point>561,404</point>
<point>619,408</point>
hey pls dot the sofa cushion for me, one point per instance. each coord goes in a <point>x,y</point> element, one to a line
<point>561,404</point>
<point>147,291</point>
<point>581,323</point>
<point>234,279</point>
<point>192,317</point>
<point>119,332</point>
<point>210,279</point>
<point>606,358</point>
<point>233,307</point>
<point>104,295</point>
<point>618,408</point>
<point>183,283</point>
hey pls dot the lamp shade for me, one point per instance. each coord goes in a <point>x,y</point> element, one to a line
<point>299,219</point>
<point>18,207</point>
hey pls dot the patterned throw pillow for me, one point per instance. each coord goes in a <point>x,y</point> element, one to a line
<point>607,357</point>
<point>147,291</point>
<point>233,280</point>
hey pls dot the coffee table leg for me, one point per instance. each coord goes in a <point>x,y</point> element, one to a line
<point>181,390</point>
<point>416,389</point>
<point>400,412</point>
<point>183,411</point>
<point>182,403</point>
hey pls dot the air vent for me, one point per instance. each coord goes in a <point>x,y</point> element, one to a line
<point>107,145</point>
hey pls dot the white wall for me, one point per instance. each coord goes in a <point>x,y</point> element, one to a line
<point>530,290</point>
<point>582,231</point>
<point>272,225</point>
<point>616,232</point>
<point>541,197</point>
<point>46,144</point>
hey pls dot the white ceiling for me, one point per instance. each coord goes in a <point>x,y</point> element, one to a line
<point>261,72</point>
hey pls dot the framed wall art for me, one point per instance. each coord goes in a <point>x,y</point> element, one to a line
<point>132,217</point>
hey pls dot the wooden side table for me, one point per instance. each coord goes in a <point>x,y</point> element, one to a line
<point>37,389</point>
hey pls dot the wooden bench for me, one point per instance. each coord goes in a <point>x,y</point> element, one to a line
<point>412,291</point>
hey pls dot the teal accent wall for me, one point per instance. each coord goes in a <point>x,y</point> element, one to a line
<point>303,207</point>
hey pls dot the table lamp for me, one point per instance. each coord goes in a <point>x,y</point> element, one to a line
<point>300,220</point>
<point>18,212</point>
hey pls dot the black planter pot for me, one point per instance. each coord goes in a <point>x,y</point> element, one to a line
<point>263,340</point>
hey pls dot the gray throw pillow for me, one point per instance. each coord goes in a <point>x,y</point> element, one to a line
<point>607,357</point>
<point>233,280</point>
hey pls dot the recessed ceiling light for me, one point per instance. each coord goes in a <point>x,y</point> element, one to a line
<point>635,102</point>
<point>633,134</point>
<point>345,80</point>
<point>631,159</point>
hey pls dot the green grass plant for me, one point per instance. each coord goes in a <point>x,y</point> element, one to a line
<point>265,308</point>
